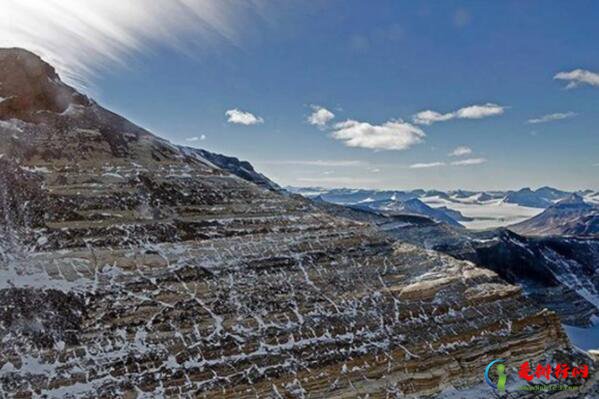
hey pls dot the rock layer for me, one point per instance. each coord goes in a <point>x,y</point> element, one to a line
<point>131,266</point>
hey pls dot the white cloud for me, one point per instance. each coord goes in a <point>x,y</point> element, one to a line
<point>429,117</point>
<point>553,117</point>
<point>469,161</point>
<point>81,38</point>
<point>391,135</point>
<point>320,117</point>
<point>242,118</point>
<point>426,165</point>
<point>196,138</point>
<point>479,111</point>
<point>578,77</point>
<point>461,151</point>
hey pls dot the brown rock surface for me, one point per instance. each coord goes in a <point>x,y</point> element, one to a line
<point>133,266</point>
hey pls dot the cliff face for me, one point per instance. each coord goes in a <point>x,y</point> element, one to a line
<point>132,266</point>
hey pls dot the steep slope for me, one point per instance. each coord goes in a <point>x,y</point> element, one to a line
<point>242,169</point>
<point>132,268</point>
<point>569,217</point>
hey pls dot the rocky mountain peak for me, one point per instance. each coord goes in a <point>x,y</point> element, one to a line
<point>29,85</point>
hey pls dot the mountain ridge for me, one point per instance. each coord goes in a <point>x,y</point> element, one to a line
<point>571,216</point>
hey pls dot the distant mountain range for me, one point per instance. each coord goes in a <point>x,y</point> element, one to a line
<point>475,209</point>
<point>413,206</point>
<point>543,197</point>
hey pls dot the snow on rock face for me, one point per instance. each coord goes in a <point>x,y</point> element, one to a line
<point>130,267</point>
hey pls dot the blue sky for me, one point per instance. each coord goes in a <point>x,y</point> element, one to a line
<point>375,64</point>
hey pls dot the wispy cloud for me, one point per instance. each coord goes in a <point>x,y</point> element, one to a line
<point>429,117</point>
<point>469,161</point>
<point>391,135</point>
<point>196,138</point>
<point>578,77</point>
<point>334,181</point>
<point>320,116</point>
<point>239,117</point>
<point>460,151</point>
<point>109,32</point>
<point>552,117</point>
<point>426,165</point>
<point>324,163</point>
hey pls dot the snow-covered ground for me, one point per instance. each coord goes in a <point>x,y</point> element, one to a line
<point>592,198</point>
<point>487,214</point>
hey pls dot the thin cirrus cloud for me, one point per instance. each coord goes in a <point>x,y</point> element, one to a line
<point>196,138</point>
<point>239,117</point>
<point>578,77</point>
<point>552,117</point>
<point>108,33</point>
<point>429,117</point>
<point>320,116</point>
<point>469,161</point>
<point>391,135</point>
<point>337,181</point>
<point>460,151</point>
<point>324,163</point>
<point>426,165</point>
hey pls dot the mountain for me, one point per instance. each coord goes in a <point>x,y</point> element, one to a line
<point>543,197</point>
<point>132,267</point>
<point>551,193</point>
<point>527,197</point>
<point>481,210</point>
<point>346,196</point>
<point>569,217</point>
<point>461,194</point>
<point>412,207</point>
<point>452,213</point>
<point>396,202</point>
<point>242,169</point>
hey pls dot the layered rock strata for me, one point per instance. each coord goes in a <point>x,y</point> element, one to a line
<point>133,268</point>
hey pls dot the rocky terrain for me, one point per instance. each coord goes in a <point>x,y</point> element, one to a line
<point>130,267</point>
<point>569,217</point>
<point>559,273</point>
